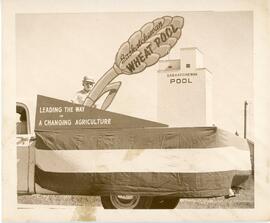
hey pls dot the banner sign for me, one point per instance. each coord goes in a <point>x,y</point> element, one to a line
<point>54,114</point>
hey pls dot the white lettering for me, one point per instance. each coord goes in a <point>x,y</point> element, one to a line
<point>98,121</point>
<point>50,109</point>
<point>57,122</point>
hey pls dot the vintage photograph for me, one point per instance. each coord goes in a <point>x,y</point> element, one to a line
<point>135,110</point>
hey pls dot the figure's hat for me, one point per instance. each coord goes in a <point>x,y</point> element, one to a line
<point>88,79</point>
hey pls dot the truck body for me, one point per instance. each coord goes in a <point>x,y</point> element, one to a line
<point>129,162</point>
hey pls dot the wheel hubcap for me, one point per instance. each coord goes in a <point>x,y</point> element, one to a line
<point>125,201</point>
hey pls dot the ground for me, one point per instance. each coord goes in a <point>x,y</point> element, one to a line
<point>243,199</point>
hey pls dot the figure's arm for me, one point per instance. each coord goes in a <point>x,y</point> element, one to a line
<point>74,99</point>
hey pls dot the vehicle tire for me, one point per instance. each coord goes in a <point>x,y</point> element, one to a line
<point>162,202</point>
<point>126,202</point>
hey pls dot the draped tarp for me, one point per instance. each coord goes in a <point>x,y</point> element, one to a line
<point>149,160</point>
<point>188,162</point>
<point>133,138</point>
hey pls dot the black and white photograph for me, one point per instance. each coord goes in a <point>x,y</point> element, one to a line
<point>136,110</point>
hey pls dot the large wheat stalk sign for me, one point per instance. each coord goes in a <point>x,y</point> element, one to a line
<point>143,49</point>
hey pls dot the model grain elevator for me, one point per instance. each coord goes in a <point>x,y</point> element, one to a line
<point>185,90</point>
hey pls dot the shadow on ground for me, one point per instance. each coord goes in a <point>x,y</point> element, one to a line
<point>243,199</point>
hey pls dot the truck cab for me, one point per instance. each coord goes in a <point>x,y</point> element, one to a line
<point>25,154</point>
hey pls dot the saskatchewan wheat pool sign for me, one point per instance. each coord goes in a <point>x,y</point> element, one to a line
<point>144,48</point>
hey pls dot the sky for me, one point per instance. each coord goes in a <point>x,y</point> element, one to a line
<point>54,52</point>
